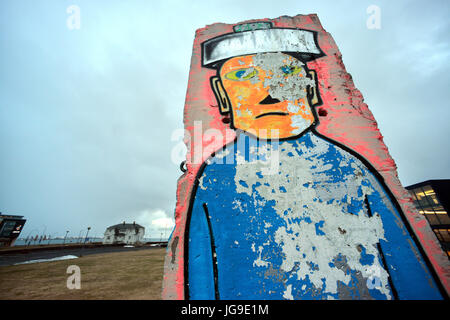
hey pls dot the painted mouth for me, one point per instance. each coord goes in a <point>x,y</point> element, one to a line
<point>272,114</point>
<point>270,100</point>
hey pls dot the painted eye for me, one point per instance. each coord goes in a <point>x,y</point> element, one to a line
<point>288,70</point>
<point>241,74</point>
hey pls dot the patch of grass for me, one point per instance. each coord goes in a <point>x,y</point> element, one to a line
<point>121,275</point>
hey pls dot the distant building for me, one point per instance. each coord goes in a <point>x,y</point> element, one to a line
<point>124,233</point>
<point>10,228</point>
<point>432,198</point>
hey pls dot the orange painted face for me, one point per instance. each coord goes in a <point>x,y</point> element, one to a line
<point>268,94</point>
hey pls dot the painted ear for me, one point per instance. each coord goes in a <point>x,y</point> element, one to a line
<point>313,93</point>
<point>221,95</point>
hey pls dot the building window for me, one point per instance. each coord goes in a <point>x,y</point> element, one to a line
<point>442,234</point>
<point>428,204</point>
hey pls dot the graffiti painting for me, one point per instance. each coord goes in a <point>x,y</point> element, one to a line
<point>282,210</point>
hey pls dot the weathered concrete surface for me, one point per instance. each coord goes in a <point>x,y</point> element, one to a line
<point>343,117</point>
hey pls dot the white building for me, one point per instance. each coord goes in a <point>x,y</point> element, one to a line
<point>124,233</point>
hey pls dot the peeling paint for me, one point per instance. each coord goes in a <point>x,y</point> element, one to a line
<point>308,222</point>
<point>302,218</point>
<point>280,86</point>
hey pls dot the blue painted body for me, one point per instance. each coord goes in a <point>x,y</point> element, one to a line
<point>243,230</point>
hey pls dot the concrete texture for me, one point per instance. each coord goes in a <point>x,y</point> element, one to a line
<point>319,214</point>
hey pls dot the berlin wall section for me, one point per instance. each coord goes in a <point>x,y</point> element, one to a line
<point>289,190</point>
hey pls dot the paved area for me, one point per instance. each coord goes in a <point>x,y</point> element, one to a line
<point>7,259</point>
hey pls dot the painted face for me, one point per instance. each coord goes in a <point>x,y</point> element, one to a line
<point>268,91</point>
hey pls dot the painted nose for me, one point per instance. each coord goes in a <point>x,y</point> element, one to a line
<point>269,100</point>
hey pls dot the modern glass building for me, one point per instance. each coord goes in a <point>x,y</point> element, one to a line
<point>432,200</point>
<point>10,228</point>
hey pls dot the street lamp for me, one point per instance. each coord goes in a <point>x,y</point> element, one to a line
<point>79,235</point>
<point>82,247</point>
<point>89,228</point>
<point>64,242</point>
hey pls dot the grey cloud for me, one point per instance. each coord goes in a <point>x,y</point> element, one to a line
<point>86,116</point>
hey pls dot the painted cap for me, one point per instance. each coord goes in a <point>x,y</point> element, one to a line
<point>258,37</point>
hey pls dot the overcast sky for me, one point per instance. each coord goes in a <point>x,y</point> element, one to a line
<point>86,115</point>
